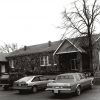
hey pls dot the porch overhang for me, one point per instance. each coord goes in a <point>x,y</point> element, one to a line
<point>70,51</point>
<point>68,47</point>
<point>66,52</point>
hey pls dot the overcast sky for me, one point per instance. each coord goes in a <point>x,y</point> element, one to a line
<point>29,22</point>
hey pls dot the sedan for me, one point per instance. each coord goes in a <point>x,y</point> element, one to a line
<point>33,83</point>
<point>70,82</point>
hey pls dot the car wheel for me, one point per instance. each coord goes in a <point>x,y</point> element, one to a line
<point>91,85</point>
<point>34,89</point>
<point>21,91</point>
<point>5,87</point>
<point>78,91</point>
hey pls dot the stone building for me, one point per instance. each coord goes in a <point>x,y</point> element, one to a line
<point>4,64</point>
<point>69,55</point>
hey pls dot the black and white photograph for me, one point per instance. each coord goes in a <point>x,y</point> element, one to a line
<point>49,49</point>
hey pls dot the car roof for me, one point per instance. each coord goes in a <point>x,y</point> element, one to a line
<point>70,74</point>
<point>34,76</point>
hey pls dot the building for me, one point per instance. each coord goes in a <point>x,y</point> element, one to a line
<point>38,59</point>
<point>69,55</point>
<point>4,64</point>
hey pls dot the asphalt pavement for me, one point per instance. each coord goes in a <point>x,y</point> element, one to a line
<point>93,94</point>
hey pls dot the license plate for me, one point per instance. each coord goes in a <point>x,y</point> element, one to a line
<point>55,91</point>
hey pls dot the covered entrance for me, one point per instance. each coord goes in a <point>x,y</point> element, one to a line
<point>70,62</point>
<point>72,58</point>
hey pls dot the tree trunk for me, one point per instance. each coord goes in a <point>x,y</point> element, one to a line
<point>90,51</point>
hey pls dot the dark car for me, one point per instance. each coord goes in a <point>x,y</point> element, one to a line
<point>7,79</point>
<point>33,83</point>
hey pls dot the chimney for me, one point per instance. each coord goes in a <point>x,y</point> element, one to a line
<point>49,43</point>
<point>25,47</point>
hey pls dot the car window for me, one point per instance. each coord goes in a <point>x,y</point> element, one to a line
<point>65,77</point>
<point>42,78</point>
<point>82,76</point>
<point>36,79</point>
<point>77,77</point>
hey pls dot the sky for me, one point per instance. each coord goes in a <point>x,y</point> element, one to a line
<point>30,22</point>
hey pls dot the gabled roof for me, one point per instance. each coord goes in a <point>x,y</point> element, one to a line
<point>3,57</point>
<point>45,47</point>
<point>68,47</point>
<point>76,44</point>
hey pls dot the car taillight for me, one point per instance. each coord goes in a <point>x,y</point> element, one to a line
<point>24,84</point>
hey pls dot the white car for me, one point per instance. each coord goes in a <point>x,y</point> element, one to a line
<point>70,82</point>
<point>33,83</point>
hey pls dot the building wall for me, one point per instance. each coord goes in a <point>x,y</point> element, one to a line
<point>96,56</point>
<point>31,63</point>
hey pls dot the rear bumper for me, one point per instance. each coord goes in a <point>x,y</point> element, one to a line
<point>2,85</point>
<point>22,88</point>
<point>60,90</point>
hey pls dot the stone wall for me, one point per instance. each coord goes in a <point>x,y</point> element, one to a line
<point>96,50</point>
<point>31,63</point>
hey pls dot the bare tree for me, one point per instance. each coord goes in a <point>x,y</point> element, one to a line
<point>82,21</point>
<point>8,48</point>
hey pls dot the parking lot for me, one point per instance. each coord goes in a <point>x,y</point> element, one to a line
<point>93,94</point>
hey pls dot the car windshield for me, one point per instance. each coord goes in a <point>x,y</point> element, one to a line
<point>68,77</point>
<point>25,79</point>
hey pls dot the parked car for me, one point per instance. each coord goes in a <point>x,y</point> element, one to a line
<point>33,83</point>
<point>7,79</point>
<point>70,82</point>
<point>97,78</point>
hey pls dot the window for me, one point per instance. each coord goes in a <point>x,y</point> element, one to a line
<point>55,62</point>
<point>11,63</point>
<point>44,61</point>
<point>36,79</point>
<point>74,64</point>
<point>3,70</point>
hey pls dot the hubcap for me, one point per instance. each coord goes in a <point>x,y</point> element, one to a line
<point>78,91</point>
<point>34,89</point>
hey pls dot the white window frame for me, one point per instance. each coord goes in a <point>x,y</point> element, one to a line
<point>54,61</point>
<point>12,63</point>
<point>45,60</point>
<point>3,68</point>
<point>99,61</point>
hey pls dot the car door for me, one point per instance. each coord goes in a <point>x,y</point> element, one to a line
<point>86,80</point>
<point>83,81</point>
<point>44,81</point>
<point>39,82</point>
<point>36,82</point>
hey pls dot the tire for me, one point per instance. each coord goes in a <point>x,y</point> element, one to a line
<point>91,85</point>
<point>78,91</point>
<point>5,87</point>
<point>34,89</point>
<point>21,91</point>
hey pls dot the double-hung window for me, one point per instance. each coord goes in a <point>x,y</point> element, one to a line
<point>44,61</point>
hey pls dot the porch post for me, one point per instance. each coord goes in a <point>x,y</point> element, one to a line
<point>79,60</point>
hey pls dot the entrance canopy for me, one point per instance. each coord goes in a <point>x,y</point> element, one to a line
<point>68,47</point>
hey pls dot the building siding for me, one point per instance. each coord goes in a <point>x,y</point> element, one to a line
<point>31,63</point>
